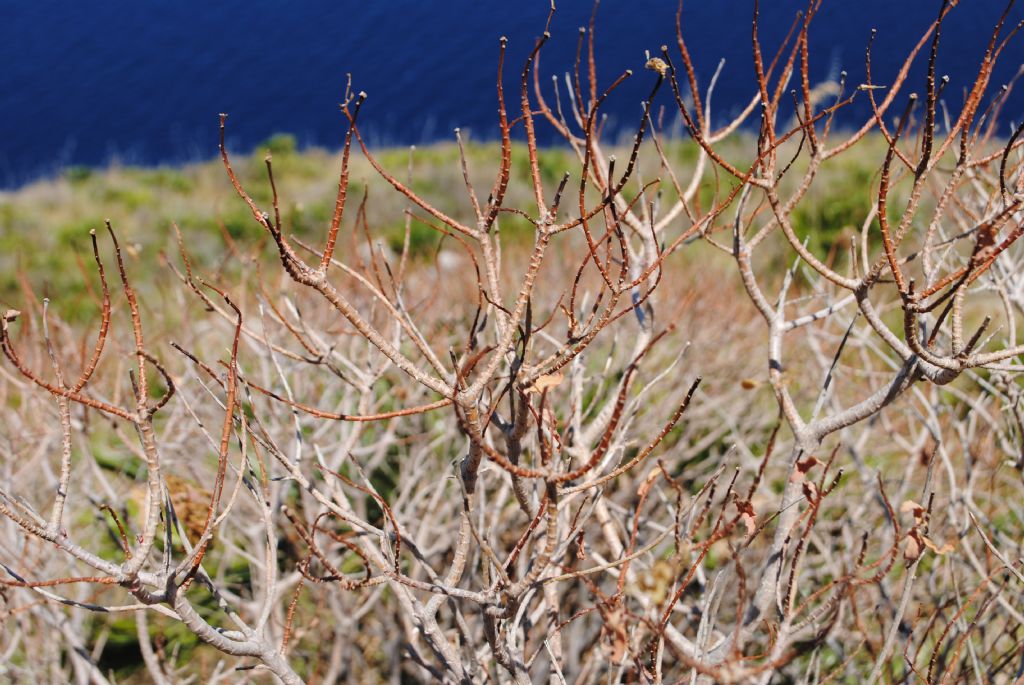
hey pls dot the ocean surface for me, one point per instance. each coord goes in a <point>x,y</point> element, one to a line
<point>142,81</point>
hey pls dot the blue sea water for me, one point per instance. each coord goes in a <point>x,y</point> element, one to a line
<point>142,81</point>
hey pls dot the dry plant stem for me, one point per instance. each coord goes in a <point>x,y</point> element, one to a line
<point>305,276</point>
<point>488,460</point>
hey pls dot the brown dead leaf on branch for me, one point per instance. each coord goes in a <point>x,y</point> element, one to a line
<point>546,382</point>
<point>917,540</point>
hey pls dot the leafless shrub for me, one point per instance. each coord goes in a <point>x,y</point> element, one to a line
<point>503,465</point>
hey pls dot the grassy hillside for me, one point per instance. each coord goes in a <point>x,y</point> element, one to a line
<point>44,226</point>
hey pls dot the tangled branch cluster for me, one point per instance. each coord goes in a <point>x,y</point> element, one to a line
<point>503,465</point>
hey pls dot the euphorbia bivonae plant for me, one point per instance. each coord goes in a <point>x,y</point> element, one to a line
<point>499,462</point>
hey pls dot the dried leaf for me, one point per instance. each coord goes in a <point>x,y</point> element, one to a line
<point>911,548</point>
<point>915,509</point>
<point>945,549</point>
<point>803,467</point>
<point>749,522</point>
<point>750,384</point>
<point>747,516</point>
<point>546,381</point>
